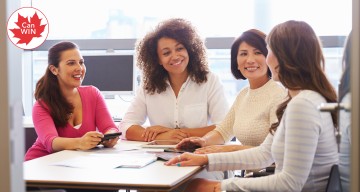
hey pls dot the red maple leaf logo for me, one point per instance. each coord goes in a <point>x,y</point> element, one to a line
<point>28,29</point>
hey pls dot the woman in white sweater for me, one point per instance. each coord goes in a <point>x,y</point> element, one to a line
<point>253,111</point>
<point>302,144</point>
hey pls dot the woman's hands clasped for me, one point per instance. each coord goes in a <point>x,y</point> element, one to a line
<point>150,133</point>
<point>163,133</point>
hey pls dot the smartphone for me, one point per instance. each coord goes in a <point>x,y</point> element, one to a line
<point>188,146</point>
<point>110,136</point>
<point>174,150</point>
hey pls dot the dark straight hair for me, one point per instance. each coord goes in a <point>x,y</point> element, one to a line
<point>256,39</point>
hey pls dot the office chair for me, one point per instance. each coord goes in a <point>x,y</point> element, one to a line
<point>334,182</point>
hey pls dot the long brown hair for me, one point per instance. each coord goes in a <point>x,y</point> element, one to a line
<point>301,62</point>
<point>47,88</point>
<point>154,75</point>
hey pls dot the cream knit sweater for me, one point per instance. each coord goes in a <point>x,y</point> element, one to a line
<point>252,113</point>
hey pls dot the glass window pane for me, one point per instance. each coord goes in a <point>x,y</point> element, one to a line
<point>132,19</point>
<point>113,19</point>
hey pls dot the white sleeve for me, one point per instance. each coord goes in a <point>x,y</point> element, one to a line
<point>217,102</point>
<point>302,128</point>
<point>136,113</point>
<point>225,128</point>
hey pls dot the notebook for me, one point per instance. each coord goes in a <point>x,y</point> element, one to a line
<point>162,144</point>
<point>109,161</point>
<point>166,155</point>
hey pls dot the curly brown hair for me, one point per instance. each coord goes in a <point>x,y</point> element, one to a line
<point>154,75</point>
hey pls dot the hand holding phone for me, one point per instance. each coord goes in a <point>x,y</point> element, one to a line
<point>110,136</point>
<point>174,150</point>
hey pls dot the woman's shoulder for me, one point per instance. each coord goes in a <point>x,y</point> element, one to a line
<point>40,104</point>
<point>243,91</point>
<point>212,79</point>
<point>276,86</point>
<point>39,107</point>
<point>275,90</point>
<point>308,96</point>
<point>212,76</point>
<point>88,89</point>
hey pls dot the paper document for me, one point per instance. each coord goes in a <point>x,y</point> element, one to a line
<point>109,161</point>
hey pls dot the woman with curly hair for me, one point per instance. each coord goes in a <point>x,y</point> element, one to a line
<point>179,95</point>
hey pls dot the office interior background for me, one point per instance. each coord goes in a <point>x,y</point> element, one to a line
<point>111,27</point>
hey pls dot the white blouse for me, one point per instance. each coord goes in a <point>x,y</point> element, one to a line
<point>197,105</point>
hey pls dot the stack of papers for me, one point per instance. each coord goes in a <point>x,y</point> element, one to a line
<point>109,161</point>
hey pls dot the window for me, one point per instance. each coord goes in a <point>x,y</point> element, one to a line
<point>113,19</point>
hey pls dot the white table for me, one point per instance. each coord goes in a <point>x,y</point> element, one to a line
<point>154,177</point>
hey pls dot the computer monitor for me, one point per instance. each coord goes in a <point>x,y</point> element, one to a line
<point>112,74</point>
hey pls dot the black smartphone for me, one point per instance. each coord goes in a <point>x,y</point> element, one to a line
<point>188,146</point>
<point>174,150</point>
<point>110,136</point>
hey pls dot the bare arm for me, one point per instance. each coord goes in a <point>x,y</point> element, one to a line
<point>213,138</point>
<point>139,133</point>
<point>87,141</point>
<point>135,133</point>
<point>198,132</point>
<point>220,148</point>
<point>214,144</point>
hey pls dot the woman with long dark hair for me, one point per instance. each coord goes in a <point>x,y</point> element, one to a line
<point>67,115</point>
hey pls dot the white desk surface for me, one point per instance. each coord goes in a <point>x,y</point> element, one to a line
<point>154,177</point>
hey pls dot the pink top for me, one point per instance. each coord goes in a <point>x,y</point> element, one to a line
<point>95,115</point>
